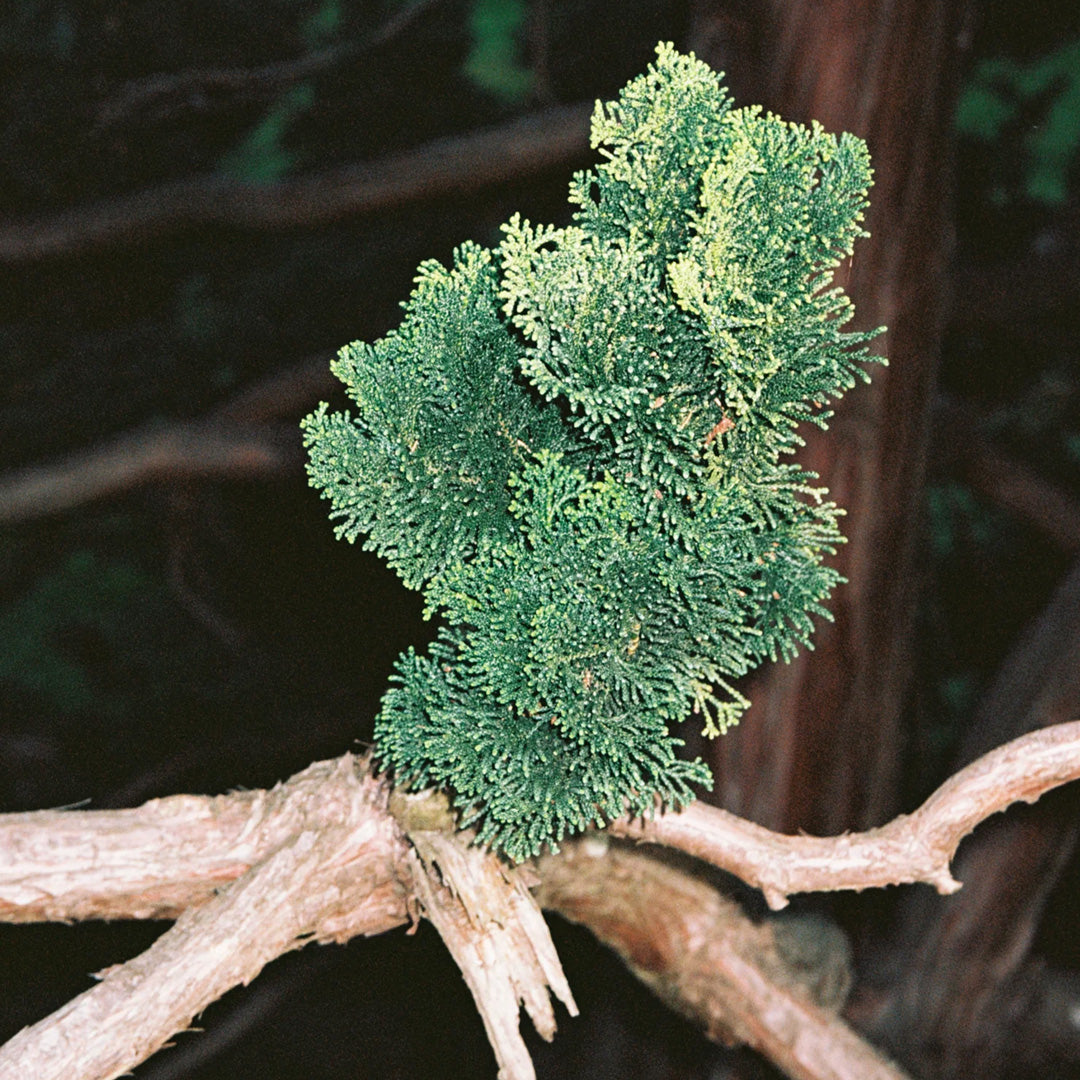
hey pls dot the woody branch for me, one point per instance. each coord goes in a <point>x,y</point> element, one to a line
<point>322,858</point>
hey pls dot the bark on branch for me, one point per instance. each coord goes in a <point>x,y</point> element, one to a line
<point>699,953</point>
<point>255,874</point>
<point>496,933</point>
<point>332,872</point>
<point>910,848</point>
<point>159,859</point>
<point>969,975</point>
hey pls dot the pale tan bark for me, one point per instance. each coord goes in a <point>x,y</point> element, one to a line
<point>702,956</point>
<point>496,933</point>
<point>331,873</point>
<point>911,848</point>
<point>322,858</point>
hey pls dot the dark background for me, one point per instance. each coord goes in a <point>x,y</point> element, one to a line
<point>197,628</point>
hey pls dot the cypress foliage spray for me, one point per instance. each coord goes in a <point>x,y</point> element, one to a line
<point>574,446</point>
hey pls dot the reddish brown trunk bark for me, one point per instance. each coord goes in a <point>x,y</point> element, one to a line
<point>819,750</point>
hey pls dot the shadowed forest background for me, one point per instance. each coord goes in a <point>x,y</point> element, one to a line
<point>200,202</point>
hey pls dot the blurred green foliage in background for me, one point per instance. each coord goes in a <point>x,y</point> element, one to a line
<point>1037,101</point>
<point>494,62</point>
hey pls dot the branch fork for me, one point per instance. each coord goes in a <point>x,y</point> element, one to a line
<point>332,854</point>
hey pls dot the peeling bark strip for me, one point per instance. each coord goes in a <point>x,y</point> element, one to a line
<point>257,874</point>
<point>497,935</point>
<point>490,923</point>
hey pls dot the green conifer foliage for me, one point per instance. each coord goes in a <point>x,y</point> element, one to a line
<point>574,445</point>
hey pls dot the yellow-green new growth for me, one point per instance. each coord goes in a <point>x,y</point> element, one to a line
<point>573,445</point>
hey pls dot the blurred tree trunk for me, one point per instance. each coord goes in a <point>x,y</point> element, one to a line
<point>969,1001</point>
<point>821,747</point>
